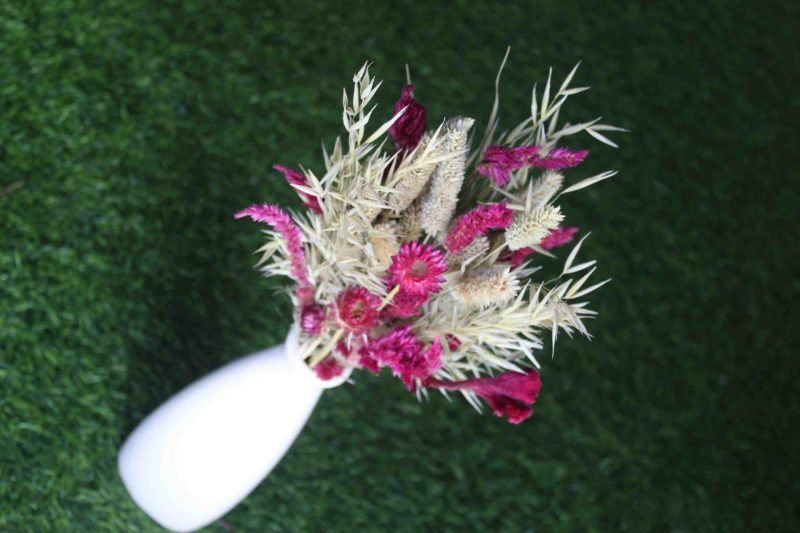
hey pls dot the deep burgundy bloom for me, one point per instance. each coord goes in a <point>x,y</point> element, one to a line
<point>357,309</point>
<point>453,342</point>
<point>477,222</point>
<point>509,395</point>
<point>328,368</point>
<point>498,161</point>
<point>515,257</point>
<point>418,269</point>
<point>290,233</point>
<point>405,305</point>
<point>409,128</point>
<point>312,317</point>
<point>295,177</point>
<point>401,351</point>
<point>558,237</point>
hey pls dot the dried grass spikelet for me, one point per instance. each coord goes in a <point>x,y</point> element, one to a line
<point>409,228</point>
<point>486,286</point>
<point>479,246</point>
<point>439,203</point>
<point>530,229</point>
<point>385,244</point>
<point>543,189</point>
<point>423,163</point>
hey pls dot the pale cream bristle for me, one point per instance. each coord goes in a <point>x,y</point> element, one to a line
<point>474,249</point>
<point>529,230</point>
<point>485,287</point>
<point>412,183</point>
<point>384,242</point>
<point>543,189</point>
<point>409,227</point>
<point>439,202</point>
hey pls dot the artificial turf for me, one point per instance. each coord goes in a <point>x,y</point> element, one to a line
<point>130,131</point>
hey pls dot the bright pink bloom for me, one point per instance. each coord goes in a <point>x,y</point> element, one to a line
<point>401,351</point>
<point>558,237</point>
<point>290,233</point>
<point>312,317</point>
<point>405,305</point>
<point>418,269</point>
<point>328,368</point>
<point>409,128</point>
<point>510,394</point>
<point>295,177</point>
<point>477,222</point>
<point>357,309</point>
<point>515,257</point>
<point>498,162</point>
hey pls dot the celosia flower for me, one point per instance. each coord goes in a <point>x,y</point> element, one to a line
<point>498,161</point>
<point>509,395</point>
<point>328,369</point>
<point>401,351</point>
<point>295,177</point>
<point>409,128</point>
<point>312,317</point>
<point>558,237</point>
<point>357,309</point>
<point>405,305</point>
<point>290,233</point>
<point>418,269</point>
<point>477,222</point>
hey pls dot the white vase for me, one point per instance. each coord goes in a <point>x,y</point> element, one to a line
<point>206,448</point>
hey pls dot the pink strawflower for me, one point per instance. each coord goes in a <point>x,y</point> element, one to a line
<point>328,369</point>
<point>558,237</point>
<point>409,128</point>
<point>405,305</point>
<point>295,177</point>
<point>477,222</point>
<point>498,162</point>
<point>357,309</point>
<point>401,351</point>
<point>509,395</point>
<point>290,233</point>
<point>418,269</point>
<point>312,316</point>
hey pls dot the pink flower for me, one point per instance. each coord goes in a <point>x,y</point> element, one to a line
<point>405,305</point>
<point>498,161</point>
<point>409,128</point>
<point>290,233</point>
<point>401,351</point>
<point>294,177</point>
<point>477,222</point>
<point>418,269</point>
<point>558,237</point>
<point>312,317</point>
<point>328,369</point>
<point>515,257</point>
<point>357,309</point>
<point>510,394</point>
<point>452,342</point>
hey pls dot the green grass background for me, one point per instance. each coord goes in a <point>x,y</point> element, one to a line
<point>130,131</point>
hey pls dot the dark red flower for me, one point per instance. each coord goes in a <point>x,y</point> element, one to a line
<point>499,161</point>
<point>312,317</point>
<point>295,177</point>
<point>328,369</point>
<point>509,395</point>
<point>418,269</point>
<point>401,351</point>
<point>409,128</point>
<point>357,309</point>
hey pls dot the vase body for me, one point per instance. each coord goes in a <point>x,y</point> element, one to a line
<point>202,451</point>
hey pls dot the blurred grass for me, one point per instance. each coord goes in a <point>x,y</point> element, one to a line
<point>131,131</point>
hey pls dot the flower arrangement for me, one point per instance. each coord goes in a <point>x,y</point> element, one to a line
<point>416,252</point>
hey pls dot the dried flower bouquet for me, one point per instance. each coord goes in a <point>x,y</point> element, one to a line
<point>416,254</point>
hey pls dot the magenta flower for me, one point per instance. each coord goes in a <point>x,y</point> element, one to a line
<point>418,269</point>
<point>295,177</point>
<point>405,305</point>
<point>401,351</point>
<point>409,128</point>
<point>509,395</point>
<point>328,369</point>
<point>312,316</point>
<point>290,233</point>
<point>477,222</point>
<point>498,162</point>
<point>357,309</point>
<point>558,237</point>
